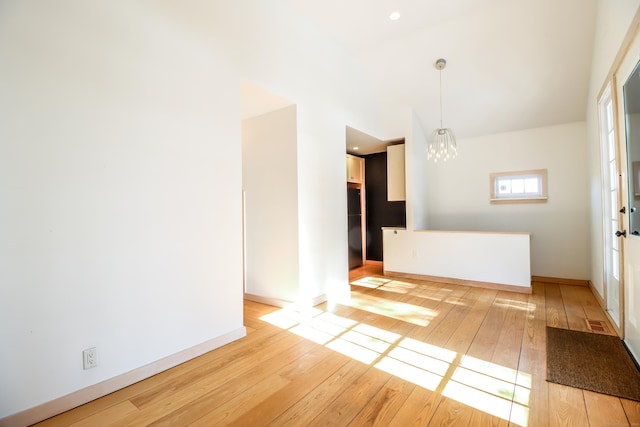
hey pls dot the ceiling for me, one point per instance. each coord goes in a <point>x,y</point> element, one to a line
<point>511,65</point>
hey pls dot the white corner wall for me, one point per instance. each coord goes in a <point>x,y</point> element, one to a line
<point>120,177</point>
<point>613,20</point>
<point>270,185</point>
<point>120,181</point>
<point>459,194</point>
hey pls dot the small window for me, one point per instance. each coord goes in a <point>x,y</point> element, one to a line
<point>519,187</point>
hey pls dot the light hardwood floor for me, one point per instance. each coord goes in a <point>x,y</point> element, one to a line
<point>397,353</point>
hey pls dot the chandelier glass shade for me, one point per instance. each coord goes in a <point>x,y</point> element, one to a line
<point>442,144</point>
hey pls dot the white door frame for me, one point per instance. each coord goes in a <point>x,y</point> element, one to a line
<point>612,218</point>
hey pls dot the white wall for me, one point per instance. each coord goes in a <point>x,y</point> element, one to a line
<point>459,194</point>
<point>120,183</point>
<point>120,177</point>
<point>417,178</point>
<point>612,23</point>
<point>270,185</point>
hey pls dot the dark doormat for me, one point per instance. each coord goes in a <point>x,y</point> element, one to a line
<point>593,362</point>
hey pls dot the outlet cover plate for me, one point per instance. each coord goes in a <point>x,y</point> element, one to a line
<point>89,358</point>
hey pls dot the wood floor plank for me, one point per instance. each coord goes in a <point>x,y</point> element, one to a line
<point>448,325</point>
<point>566,407</point>
<point>509,344</point>
<point>350,402</point>
<point>204,394</point>
<point>576,315</point>
<point>632,411</point>
<point>221,398</point>
<point>604,410</point>
<point>109,417</point>
<point>381,409</point>
<point>481,418</point>
<point>449,312</point>
<point>417,409</point>
<point>300,384</point>
<point>535,336</point>
<point>202,414</point>
<point>461,339</point>
<point>485,341</point>
<point>532,365</point>
<point>555,315</point>
<point>451,413</point>
<point>235,364</point>
<point>314,402</point>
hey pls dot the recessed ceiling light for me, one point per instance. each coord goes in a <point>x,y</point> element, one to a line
<point>394,16</point>
<point>356,148</point>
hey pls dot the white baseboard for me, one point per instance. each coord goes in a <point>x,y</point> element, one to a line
<point>87,394</point>
<point>281,303</point>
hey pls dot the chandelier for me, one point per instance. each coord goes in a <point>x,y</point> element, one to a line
<point>442,144</point>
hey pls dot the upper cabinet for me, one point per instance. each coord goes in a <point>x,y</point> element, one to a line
<point>395,173</point>
<point>355,169</point>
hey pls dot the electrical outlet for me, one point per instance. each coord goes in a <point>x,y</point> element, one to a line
<point>89,358</point>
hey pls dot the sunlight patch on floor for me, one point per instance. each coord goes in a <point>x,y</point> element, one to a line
<point>509,303</point>
<point>400,287</point>
<point>496,371</point>
<point>494,389</point>
<point>396,310</point>
<point>478,399</point>
<point>411,373</point>
<point>370,282</point>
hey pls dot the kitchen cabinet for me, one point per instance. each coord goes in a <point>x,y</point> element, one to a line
<point>396,190</point>
<point>355,169</point>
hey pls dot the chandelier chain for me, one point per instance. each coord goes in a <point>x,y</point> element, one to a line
<point>441,99</point>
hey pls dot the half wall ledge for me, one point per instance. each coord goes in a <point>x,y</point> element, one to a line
<point>483,259</point>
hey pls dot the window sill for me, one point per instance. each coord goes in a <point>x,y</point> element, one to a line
<point>520,200</point>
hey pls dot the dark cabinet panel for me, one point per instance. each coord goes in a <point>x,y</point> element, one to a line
<point>355,241</point>
<point>380,212</point>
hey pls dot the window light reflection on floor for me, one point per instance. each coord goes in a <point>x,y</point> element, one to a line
<point>415,314</point>
<point>396,286</point>
<point>508,303</point>
<point>497,390</point>
<point>371,282</point>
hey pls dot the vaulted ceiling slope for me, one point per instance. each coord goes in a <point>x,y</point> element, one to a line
<point>511,65</point>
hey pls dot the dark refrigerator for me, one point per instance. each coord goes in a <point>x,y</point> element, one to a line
<point>354,215</point>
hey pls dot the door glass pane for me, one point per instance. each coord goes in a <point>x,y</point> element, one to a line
<point>612,146</point>
<point>632,122</point>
